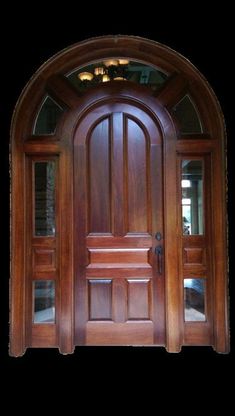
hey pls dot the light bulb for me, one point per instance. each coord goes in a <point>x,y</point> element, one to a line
<point>111,62</point>
<point>105,78</point>
<point>99,70</point>
<point>123,61</point>
<point>85,76</point>
<point>119,79</point>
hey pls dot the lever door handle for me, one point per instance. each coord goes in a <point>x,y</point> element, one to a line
<point>158,252</point>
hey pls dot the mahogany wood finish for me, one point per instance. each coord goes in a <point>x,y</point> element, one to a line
<point>196,260</point>
<point>117,151</point>
<point>121,197</point>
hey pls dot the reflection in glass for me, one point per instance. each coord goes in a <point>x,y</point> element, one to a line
<point>44,189</point>
<point>192,197</point>
<point>187,116</point>
<point>44,301</point>
<point>194,300</point>
<point>118,69</point>
<point>47,117</point>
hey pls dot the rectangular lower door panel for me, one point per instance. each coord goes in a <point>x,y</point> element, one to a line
<point>128,333</point>
<point>139,299</point>
<point>44,334</point>
<point>100,299</point>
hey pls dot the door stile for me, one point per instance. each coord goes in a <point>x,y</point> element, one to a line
<point>173,310</point>
<point>157,227</point>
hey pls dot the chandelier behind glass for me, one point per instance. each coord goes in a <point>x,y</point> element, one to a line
<point>109,70</point>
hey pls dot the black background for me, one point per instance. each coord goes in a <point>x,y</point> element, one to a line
<point>26,42</point>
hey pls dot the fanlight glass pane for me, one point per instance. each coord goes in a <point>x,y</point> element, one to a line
<point>44,301</point>
<point>192,197</point>
<point>117,70</point>
<point>187,116</point>
<point>194,300</point>
<point>44,198</point>
<point>47,117</point>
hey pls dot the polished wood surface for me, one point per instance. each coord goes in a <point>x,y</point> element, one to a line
<point>115,142</point>
<point>99,176</point>
<point>42,259</point>
<point>196,259</point>
<point>140,183</point>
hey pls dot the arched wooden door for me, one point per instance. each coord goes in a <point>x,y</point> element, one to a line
<point>118,223</point>
<point>118,203</point>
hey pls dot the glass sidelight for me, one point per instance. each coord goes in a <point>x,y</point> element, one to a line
<point>194,300</point>
<point>44,198</point>
<point>192,197</point>
<point>44,301</point>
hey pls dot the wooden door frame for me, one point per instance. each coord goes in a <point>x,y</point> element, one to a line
<point>49,79</point>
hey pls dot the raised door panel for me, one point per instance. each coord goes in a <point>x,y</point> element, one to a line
<point>137,178</point>
<point>99,178</point>
<point>100,299</point>
<point>139,299</point>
